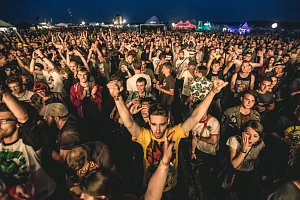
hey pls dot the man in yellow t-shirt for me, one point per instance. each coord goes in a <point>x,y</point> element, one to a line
<point>153,151</point>
<point>152,139</point>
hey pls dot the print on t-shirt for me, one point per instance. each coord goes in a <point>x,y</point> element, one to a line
<point>13,167</point>
<point>292,133</point>
<point>51,82</point>
<point>154,152</point>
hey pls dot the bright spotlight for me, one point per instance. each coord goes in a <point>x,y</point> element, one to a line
<point>83,23</point>
<point>274,25</point>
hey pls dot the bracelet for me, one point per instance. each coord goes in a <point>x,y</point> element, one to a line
<point>164,164</point>
<point>117,98</point>
<point>243,151</point>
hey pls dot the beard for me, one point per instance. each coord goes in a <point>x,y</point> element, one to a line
<point>7,133</point>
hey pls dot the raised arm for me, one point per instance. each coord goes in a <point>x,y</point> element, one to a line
<point>54,42</point>
<point>261,60</point>
<point>201,109</point>
<point>45,59</point>
<point>228,66</point>
<point>182,72</point>
<point>212,56</point>
<point>125,115</point>
<point>14,106</point>
<point>21,38</point>
<point>77,53</point>
<point>60,51</point>
<point>32,64</point>
<point>232,83</point>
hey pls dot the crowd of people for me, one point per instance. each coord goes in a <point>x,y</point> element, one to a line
<point>88,113</point>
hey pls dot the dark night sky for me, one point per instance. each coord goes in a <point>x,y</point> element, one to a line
<point>15,11</point>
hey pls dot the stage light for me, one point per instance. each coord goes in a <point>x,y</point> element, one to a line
<point>274,25</point>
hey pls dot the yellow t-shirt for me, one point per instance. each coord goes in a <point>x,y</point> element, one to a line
<point>153,151</point>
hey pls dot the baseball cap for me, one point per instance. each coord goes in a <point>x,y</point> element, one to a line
<point>39,65</point>
<point>55,110</point>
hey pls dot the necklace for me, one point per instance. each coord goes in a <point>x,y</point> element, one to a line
<point>21,96</point>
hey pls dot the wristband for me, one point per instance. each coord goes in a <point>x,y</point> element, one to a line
<point>164,164</point>
<point>243,151</point>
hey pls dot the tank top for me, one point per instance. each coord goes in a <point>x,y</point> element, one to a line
<point>242,83</point>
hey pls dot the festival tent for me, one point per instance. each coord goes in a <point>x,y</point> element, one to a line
<point>244,28</point>
<point>186,25</point>
<point>4,26</point>
<point>204,26</point>
<point>62,25</point>
<point>153,22</point>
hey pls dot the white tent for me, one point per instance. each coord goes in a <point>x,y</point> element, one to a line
<point>4,26</point>
<point>153,22</point>
<point>61,25</point>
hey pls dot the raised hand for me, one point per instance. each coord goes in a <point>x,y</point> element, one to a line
<point>39,53</point>
<point>245,142</point>
<point>218,85</point>
<point>168,146</point>
<point>76,52</point>
<point>113,88</point>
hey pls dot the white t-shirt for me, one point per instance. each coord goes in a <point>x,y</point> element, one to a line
<point>26,97</point>
<point>131,82</point>
<point>55,82</point>
<point>188,79</point>
<point>252,154</point>
<point>155,62</point>
<point>211,128</point>
<point>21,162</point>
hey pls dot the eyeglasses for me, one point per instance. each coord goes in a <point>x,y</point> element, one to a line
<point>4,121</point>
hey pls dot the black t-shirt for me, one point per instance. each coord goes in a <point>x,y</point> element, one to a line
<point>68,135</point>
<point>211,76</point>
<point>168,83</point>
<point>31,133</point>
<point>242,83</point>
<point>265,99</point>
<point>169,56</point>
<point>124,76</point>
